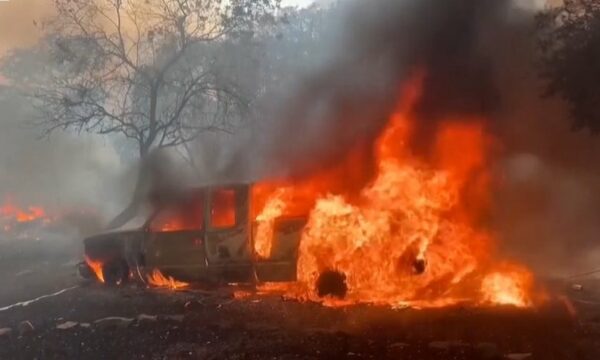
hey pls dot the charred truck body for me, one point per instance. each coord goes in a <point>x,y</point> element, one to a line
<point>208,234</point>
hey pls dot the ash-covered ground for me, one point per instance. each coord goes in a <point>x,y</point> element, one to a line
<point>89,321</point>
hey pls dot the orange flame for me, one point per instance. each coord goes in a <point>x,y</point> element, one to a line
<point>156,278</point>
<point>96,267</point>
<point>506,289</point>
<point>412,235</point>
<point>263,237</point>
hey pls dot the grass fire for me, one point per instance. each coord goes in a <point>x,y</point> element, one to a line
<point>12,215</point>
<point>299,179</point>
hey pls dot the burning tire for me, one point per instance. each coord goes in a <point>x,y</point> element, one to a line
<point>419,266</point>
<point>332,283</point>
<point>115,272</point>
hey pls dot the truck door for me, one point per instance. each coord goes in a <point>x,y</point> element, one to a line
<point>175,242</point>
<point>281,263</point>
<point>227,246</point>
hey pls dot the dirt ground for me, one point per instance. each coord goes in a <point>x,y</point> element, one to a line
<point>89,321</point>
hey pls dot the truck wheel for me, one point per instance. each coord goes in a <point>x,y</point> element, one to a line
<point>85,271</point>
<point>115,272</point>
<point>332,283</point>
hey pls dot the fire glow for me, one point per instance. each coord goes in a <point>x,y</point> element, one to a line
<point>412,234</point>
<point>9,212</point>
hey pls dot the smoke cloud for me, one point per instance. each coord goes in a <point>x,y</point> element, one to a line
<point>349,98</point>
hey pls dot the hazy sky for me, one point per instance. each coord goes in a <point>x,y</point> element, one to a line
<point>297,2</point>
<point>17,20</point>
<point>17,17</point>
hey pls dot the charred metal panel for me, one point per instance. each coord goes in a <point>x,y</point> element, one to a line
<point>287,233</point>
<point>174,249</point>
<point>104,247</point>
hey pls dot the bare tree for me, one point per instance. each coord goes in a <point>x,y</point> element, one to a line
<point>569,38</point>
<point>147,70</point>
<point>265,64</point>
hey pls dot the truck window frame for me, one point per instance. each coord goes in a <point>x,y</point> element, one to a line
<point>236,208</point>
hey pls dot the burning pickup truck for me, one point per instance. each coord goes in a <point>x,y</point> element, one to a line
<point>383,225</point>
<point>208,233</point>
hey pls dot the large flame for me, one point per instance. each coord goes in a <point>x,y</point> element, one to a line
<point>414,234</point>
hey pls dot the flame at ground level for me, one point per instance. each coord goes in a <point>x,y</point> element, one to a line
<point>505,288</point>
<point>11,214</point>
<point>413,234</point>
<point>156,278</point>
<point>96,267</point>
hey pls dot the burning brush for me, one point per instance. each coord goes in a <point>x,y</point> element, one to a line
<point>22,222</point>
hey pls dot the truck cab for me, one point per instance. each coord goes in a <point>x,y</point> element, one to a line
<point>205,234</point>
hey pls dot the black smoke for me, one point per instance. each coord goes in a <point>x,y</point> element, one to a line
<point>384,42</point>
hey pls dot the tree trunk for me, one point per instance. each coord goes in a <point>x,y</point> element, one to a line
<point>140,190</point>
<point>139,193</point>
